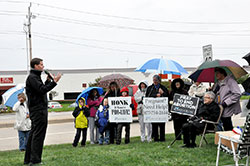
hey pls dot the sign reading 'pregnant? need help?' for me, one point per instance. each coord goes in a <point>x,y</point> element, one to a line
<point>155,109</point>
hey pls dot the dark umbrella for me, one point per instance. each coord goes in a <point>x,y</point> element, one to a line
<point>247,58</point>
<point>121,80</point>
<point>206,71</point>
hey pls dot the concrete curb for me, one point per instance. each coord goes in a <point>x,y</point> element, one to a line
<point>50,121</point>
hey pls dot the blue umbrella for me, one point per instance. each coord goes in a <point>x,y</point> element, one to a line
<point>161,66</point>
<point>10,96</point>
<point>85,93</point>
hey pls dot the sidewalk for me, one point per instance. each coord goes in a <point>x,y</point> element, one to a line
<point>7,120</point>
<point>61,129</point>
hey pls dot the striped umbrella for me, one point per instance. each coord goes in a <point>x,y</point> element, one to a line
<point>120,79</point>
<point>10,96</point>
<point>205,72</point>
<point>161,66</point>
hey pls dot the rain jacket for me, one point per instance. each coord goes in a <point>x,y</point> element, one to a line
<point>125,89</point>
<point>93,105</point>
<point>174,90</point>
<point>152,91</point>
<point>102,115</point>
<point>197,91</point>
<point>139,95</point>
<point>36,92</point>
<point>229,93</point>
<point>22,122</point>
<point>81,113</point>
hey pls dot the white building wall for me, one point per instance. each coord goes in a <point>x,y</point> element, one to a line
<point>72,80</point>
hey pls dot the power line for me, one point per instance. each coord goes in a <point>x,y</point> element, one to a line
<point>130,43</point>
<point>139,19</point>
<point>97,24</point>
<point>11,14</point>
<point>111,49</point>
<point>7,1</point>
<point>12,48</point>
<point>11,11</point>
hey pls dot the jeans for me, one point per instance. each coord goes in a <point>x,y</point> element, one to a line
<point>104,137</point>
<point>23,139</point>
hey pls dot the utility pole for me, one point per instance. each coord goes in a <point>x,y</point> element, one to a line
<point>27,29</point>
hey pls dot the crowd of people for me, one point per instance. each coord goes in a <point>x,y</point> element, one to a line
<point>93,113</point>
<point>225,92</point>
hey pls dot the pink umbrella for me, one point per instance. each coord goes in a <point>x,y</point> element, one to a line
<point>120,79</point>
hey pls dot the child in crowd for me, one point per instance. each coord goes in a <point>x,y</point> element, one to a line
<point>102,117</point>
<point>23,122</point>
<point>81,122</point>
<point>124,92</point>
<point>94,101</point>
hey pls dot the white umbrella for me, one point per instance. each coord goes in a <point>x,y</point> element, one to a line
<point>10,96</point>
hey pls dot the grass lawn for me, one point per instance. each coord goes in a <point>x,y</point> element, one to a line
<point>133,154</point>
<point>63,109</point>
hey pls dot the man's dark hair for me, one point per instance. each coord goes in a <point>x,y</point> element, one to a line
<point>35,61</point>
<point>220,70</point>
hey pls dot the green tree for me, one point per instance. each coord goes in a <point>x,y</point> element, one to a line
<point>96,82</point>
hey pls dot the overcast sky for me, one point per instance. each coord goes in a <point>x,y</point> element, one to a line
<point>83,34</point>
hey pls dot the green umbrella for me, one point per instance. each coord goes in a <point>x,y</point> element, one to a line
<point>205,72</point>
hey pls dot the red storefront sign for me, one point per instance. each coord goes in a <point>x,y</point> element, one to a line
<point>6,80</point>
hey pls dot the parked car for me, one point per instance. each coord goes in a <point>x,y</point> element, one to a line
<point>53,104</point>
<point>3,108</point>
<point>72,105</point>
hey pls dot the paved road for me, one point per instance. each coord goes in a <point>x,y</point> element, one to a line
<point>64,133</point>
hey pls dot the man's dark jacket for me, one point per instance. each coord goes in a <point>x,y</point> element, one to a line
<point>36,92</point>
<point>152,91</point>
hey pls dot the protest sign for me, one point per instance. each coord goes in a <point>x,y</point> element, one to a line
<point>119,109</point>
<point>186,105</point>
<point>155,109</point>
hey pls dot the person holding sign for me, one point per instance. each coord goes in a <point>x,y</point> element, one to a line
<point>157,90</point>
<point>113,91</point>
<point>208,111</point>
<point>124,92</point>
<point>139,95</point>
<point>177,87</point>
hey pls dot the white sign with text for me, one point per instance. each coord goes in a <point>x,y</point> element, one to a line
<point>119,109</point>
<point>155,109</point>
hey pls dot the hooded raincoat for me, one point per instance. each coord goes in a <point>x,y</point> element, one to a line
<point>81,113</point>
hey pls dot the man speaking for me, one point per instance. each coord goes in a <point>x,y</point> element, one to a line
<point>36,92</point>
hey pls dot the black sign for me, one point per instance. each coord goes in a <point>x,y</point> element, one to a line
<point>185,105</point>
